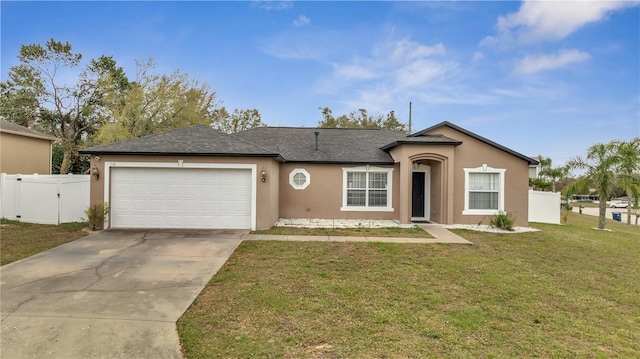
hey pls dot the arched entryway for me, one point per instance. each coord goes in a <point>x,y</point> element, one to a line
<point>429,196</point>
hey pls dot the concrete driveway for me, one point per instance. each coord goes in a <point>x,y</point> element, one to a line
<point>114,294</point>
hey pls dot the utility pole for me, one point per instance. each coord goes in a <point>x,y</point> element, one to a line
<point>409,117</point>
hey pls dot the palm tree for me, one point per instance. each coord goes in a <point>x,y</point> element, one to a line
<point>600,172</point>
<point>555,174</point>
<point>629,171</point>
<point>548,176</point>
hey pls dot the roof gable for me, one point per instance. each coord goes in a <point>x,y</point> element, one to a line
<point>426,131</point>
<point>15,129</point>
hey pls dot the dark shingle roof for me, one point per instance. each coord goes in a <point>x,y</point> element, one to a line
<point>14,128</point>
<point>423,140</point>
<point>289,144</point>
<point>189,141</point>
<point>335,145</point>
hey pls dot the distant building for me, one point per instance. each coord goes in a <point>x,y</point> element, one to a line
<point>23,150</point>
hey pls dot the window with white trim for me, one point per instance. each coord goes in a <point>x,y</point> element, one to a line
<point>366,189</point>
<point>299,178</point>
<point>483,190</point>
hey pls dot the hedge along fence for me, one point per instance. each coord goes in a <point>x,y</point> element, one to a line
<point>45,199</point>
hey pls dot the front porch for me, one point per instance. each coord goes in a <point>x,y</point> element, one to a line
<point>426,189</point>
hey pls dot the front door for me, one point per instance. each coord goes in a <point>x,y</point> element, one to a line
<point>417,195</point>
<point>420,197</point>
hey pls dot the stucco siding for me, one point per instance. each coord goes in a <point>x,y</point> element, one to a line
<point>437,183</point>
<point>24,155</point>
<point>474,153</point>
<point>323,197</point>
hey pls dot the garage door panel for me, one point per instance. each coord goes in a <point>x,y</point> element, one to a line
<point>181,198</point>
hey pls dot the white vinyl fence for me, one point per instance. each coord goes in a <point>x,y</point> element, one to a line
<point>46,199</point>
<point>544,207</point>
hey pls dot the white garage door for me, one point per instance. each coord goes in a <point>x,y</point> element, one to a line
<point>180,198</point>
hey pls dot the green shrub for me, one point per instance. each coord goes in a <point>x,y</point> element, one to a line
<point>96,214</point>
<point>503,221</point>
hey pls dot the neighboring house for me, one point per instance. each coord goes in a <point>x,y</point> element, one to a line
<point>534,168</point>
<point>23,150</point>
<point>198,177</point>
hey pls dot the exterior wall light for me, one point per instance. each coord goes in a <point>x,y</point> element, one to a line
<point>95,172</point>
<point>417,164</point>
<point>263,175</point>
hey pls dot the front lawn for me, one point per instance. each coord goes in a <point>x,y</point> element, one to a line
<point>20,240</point>
<point>566,291</point>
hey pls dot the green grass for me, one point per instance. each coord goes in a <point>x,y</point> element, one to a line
<point>20,240</point>
<point>566,291</point>
<point>414,232</point>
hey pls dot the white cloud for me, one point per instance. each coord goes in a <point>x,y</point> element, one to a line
<point>312,46</point>
<point>301,21</point>
<point>421,72</point>
<point>395,71</point>
<point>272,5</point>
<point>298,51</point>
<point>353,72</point>
<point>535,63</point>
<point>409,50</point>
<point>392,71</point>
<point>477,56</point>
<point>551,20</point>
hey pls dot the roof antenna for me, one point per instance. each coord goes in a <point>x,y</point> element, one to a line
<point>317,133</point>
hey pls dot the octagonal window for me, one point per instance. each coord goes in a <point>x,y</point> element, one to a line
<point>299,178</point>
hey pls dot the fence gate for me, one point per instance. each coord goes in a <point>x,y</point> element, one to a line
<point>45,199</point>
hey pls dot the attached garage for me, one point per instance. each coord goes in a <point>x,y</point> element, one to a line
<point>177,197</point>
<point>194,177</point>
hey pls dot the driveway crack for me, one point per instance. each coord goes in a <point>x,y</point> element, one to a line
<point>101,264</point>
<point>31,297</point>
<point>95,267</point>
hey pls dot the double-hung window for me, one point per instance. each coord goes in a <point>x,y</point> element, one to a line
<point>484,190</point>
<point>366,189</point>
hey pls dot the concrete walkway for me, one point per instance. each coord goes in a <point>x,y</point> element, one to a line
<point>443,235</point>
<point>440,234</point>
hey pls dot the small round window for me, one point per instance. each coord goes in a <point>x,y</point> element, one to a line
<point>299,178</point>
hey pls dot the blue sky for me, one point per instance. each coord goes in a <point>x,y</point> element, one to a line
<point>548,78</point>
